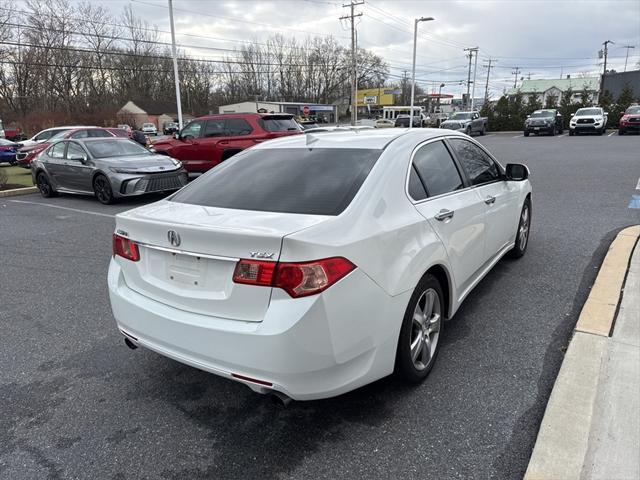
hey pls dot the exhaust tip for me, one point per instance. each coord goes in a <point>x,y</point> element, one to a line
<point>130,344</point>
<point>281,399</point>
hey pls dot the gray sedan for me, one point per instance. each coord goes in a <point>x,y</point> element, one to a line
<point>108,168</point>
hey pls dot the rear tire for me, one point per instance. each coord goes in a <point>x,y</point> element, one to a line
<point>43,184</point>
<point>421,332</point>
<point>102,190</point>
<point>468,131</point>
<point>524,228</point>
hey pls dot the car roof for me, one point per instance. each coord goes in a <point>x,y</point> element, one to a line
<point>376,139</point>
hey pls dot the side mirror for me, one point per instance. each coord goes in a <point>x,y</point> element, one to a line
<point>77,158</point>
<point>176,135</point>
<point>528,116</point>
<point>573,114</point>
<point>516,172</point>
<point>606,114</point>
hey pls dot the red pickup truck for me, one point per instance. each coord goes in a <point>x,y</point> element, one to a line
<point>206,141</point>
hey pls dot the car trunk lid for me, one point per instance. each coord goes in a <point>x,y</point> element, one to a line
<point>195,273</point>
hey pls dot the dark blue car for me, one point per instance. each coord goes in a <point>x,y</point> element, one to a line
<point>8,151</point>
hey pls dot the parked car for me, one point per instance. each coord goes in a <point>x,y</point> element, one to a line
<point>207,141</point>
<point>124,127</point>
<point>44,135</point>
<point>307,271</point>
<point>109,168</point>
<point>149,129</point>
<point>467,122</point>
<point>8,151</point>
<point>418,120</point>
<point>544,121</point>
<point>170,128</point>
<point>26,154</point>
<point>308,124</point>
<point>591,120</point>
<point>630,121</point>
<point>384,123</point>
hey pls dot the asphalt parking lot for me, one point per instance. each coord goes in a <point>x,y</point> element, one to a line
<point>77,403</point>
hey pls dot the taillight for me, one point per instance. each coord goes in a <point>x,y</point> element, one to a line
<point>254,272</point>
<point>125,248</point>
<point>297,279</point>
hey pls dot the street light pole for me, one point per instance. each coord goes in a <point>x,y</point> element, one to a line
<point>175,65</point>
<point>413,70</point>
<point>475,68</point>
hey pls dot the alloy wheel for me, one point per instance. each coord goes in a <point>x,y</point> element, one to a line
<point>523,231</point>
<point>102,189</point>
<point>43,185</point>
<point>425,329</point>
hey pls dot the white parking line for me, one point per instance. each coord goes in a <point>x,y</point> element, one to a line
<point>88,212</point>
<point>563,135</point>
<point>490,135</point>
<point>638,185</point>
<point>518,136</point>
<point>611,134</point>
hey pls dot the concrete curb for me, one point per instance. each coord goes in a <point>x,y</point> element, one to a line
<point>563,441</point>
<point>18,191</point>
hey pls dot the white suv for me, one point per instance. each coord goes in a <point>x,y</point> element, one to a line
<point>311,265</point>
<point>149,129</point>
<point>591,119</point>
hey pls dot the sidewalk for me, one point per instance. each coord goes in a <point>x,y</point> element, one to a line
<point>591,427</point>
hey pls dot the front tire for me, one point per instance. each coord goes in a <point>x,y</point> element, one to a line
<point>620,131</point>
<point>44,186</point>
<point>571,133</point>
<point>524,228</point>
<point>526,133</point>
<point>421,331</point>
<point>102,190</point>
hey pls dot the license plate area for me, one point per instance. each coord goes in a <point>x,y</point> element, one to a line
<point>536,128</point>
<point>186,270</point>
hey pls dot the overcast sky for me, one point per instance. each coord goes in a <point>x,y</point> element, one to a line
<point>545,38</point>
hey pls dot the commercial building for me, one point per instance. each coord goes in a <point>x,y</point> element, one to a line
<point>615,82</point>
<point>555,87</point>
<point>320,112</point>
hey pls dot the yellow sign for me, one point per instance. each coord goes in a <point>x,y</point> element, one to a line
<point>375,96</point>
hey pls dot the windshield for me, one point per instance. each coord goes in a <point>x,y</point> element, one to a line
<point>461,116</point>
<point>148,125</point>
<point>279,124</point>
<point>115,148</point>
<point>318,181</point>
<point>588,111</point>
<point>542,114</point>
<point>633,110</point>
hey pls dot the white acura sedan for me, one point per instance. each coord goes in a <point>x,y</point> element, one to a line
<point>311,265</point>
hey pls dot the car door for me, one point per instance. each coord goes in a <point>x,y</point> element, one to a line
<point>455,212</point>
<point>237,137</point>
<point>189,151</point>
<point>77,173</point>
<point>55,163</point>
<point>214,133</point>
<point>500,197</point>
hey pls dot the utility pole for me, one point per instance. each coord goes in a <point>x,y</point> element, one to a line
<point>413,68</point>
<point>529,76</point>
<point>466,103</point>
<point>404,87</point>
<point>516,73</point>
<point>486,87</point>
<point>606,51</point>
<point>628,47</point>
<point>475,68</point>
<point>354,100</point>
<point>175,65</point>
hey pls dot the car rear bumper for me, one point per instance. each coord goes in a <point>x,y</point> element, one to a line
<point>307,348</point>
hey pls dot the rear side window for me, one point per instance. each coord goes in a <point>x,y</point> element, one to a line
<point>437,170</point>
<point>479,166</point>
<point>238,126</point>
<point>99,133</point>
<point>320,181</point>
<point>57,150</point>
<point>279,124</point>
<point>214,128</point>
<point>416,189</point>
<point>46,135</point>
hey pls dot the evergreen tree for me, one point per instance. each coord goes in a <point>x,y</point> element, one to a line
<point>606,102</point>
<point>585,97</point>
<point>535,102</point>
<point>551,101</point>
<point>501,114</point>
<point>567,107</point>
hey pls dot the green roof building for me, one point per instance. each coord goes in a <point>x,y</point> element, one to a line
<point>555,87</point>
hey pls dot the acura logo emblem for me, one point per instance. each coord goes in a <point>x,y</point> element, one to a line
<point>174,238</point>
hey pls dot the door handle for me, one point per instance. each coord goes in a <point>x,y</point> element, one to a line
<point>224,142</point>
<point>490,199</point>
<point>444,214</point>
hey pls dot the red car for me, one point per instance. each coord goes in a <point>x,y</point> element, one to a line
<point>25,155</point>
<point>630,121</point>
<point>206,141</point>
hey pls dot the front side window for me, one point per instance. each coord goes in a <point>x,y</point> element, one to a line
<point>80,134</point>
<point>317,181</point>
<point>238,126</point>
<point>45,135</point>
<point>57,150</point>
<point>436,168</point>
<point>479,166</point>
<point>192,130</point>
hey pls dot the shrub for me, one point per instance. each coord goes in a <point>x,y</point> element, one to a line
<point>4,178</point>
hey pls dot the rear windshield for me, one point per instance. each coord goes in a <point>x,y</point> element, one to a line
<point>279,124</point>
<point>320,181</point>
